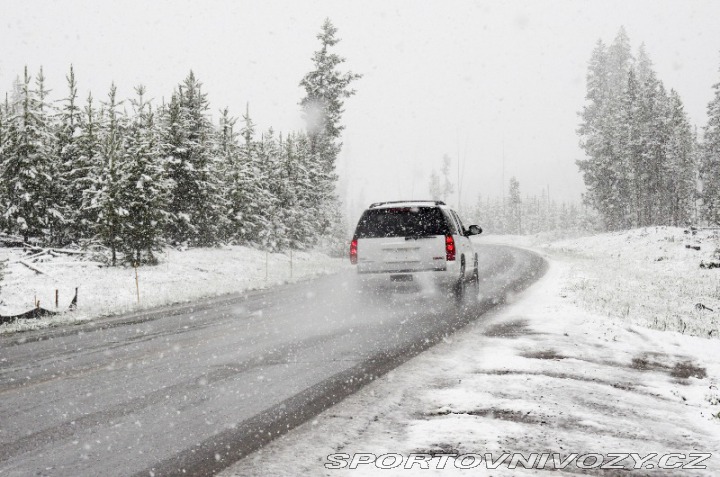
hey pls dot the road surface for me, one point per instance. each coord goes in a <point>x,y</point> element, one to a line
<point>191,389</point>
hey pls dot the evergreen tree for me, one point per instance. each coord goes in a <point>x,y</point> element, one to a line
<point>544,210</point>
<point>653,137</point>
<point>334,242</point>
<point>514,210</point>
<point>274,235</point>
<point>628,171</point>
<point>596,136</point>
<point>196,200</point>
<point>619,59</point>
<point>441,188</point>
<point>27,171</point>
<point>54,192</point>
<point>554,211</point>
<point>598,92</point>
<point>435,187</point>
<point>531,215</point>
<point>107,189</point>
<point>131,184</point>
<point>4,198</point>
<point>710,168</point>
<point>326,88</point>
<point>648,141</point>
<point>447,185</point>
<point>228,152</point>
<point>681,172</point>
<point>85,177</point>
<point>478,213</point>
<point>620,130</point>
<point>144,191</point>
<point>249,198</point>
<point>639,164</point>
<point>298,194</point>
<point>74,169</point>
<point>573,218</point>
<point>537,214</point>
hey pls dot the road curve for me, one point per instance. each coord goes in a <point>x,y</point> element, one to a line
<point>192,389</point>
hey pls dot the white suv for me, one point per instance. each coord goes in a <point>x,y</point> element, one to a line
<point>404,240</point>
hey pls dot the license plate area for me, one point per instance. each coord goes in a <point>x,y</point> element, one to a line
<point>401,278</point>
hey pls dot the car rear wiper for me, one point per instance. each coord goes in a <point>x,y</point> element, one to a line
<point>418,237</point>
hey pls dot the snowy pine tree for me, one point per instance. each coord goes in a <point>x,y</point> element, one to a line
<point>681,150</point>
<point>638,145</point>
<point>653,138</point>
<point>514,208</point>
<point>4,197</point>
<point>83,174</point>
<point>435,187</point>
<point>629,167</point>
<point>619,61</point>
<point>249,197</point>
<point>598,136</point>
<point>145,190</point>
<point>196,199</point>
<point>107,189</point>
<point>86,174</point>
<point>710,161</point>
<point>74,169</point>
<point>28,168</point>
<point>296,196</point>
<point>54,193</point>
<point>227,149</point>
<point>447,186</point>
<point>326,88</point>
<point>273,236</point>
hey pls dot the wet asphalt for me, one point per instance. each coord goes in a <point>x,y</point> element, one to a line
<point>190,389</point>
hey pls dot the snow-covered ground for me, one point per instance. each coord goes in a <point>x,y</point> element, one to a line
<point>180,276</point>
<point>567,368</point>
<point>650,276</point>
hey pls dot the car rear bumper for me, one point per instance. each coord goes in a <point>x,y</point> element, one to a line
<point>448,275</point>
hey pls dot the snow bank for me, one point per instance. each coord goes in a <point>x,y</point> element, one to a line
<point>181,276</point>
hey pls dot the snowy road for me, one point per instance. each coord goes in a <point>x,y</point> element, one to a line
<point>193,389</point>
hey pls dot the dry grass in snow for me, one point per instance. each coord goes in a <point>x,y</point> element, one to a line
<point>651,277</point>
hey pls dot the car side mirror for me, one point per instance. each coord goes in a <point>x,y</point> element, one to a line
<point>474,230</point>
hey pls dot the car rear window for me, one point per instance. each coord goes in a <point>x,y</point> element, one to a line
<point>401,222</point>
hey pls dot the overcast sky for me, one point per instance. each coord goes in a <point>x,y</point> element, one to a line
<point>463,78</point>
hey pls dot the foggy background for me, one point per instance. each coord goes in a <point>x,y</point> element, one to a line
<point>477,80</point>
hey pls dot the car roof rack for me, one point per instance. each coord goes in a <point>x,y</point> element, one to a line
<point>378,204</point>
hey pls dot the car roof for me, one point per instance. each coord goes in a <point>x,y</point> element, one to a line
<point>407,203</point>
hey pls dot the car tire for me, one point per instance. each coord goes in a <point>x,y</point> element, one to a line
<point>459,286</point>
<point>474,288</point>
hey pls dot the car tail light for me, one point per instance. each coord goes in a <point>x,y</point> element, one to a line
<point>353,251</point>
<point>449,248</point>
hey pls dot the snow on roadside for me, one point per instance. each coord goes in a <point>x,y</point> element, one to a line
<point>649,276</point>
<point>541,375</point>
<point>181,276</point>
